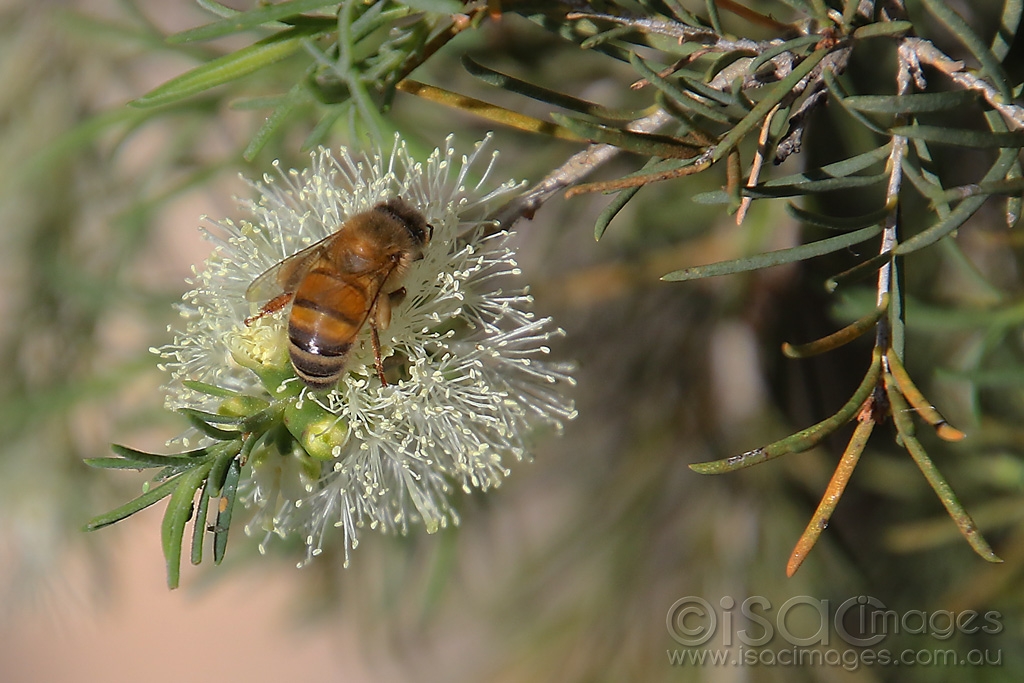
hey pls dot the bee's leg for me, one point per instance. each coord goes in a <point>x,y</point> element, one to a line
<point>378,362</point>
<point>272,306</point>
<point>380,319</point>
<point>381,313</point>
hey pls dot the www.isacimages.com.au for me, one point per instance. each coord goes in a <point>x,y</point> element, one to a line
<point>849,659</point>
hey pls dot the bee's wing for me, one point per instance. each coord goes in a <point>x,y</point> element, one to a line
<point>285,276</point>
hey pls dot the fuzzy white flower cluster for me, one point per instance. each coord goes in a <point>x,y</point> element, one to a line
<point>472,380</point>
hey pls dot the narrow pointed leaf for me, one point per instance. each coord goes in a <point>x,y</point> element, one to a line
<point>218,472</point>
<point>925,182</point>
<point>1009,186</point>
<point>863,269</point>
<point>213,418</point>
<point>247,21</point>
<point>649,144</point>
<point>155,459</point>
<point>925,410</point>
<point>711,7</point>
<point>882,28</point>
<point>900,412</point>
<point>486,110</point>
<point>839,337</point>
<point>209,389</point>
<point>541,94</point>
<point>677,169</point>
<point>829,501</point>
<point>774,191</point>
<point>210,430</point>
<point>786,46</point>
<point>154,495</point>
<point>915,103</point>
<point>612,210</point>
<point>775,258</point>
<point>805,439</point>
<point>146,463</point>
<point>962,137</point>
<point>225,508</point>
<point>228,68</point>
<point>727,99</point>
<point>838,169</point>
<point>606,36</point>
<point>199,525</point>
<point>179,510</point>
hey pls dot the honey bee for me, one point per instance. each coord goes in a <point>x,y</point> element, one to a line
<point>351,277</point>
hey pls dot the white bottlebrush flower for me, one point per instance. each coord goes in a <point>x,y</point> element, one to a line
<point>470,382</point>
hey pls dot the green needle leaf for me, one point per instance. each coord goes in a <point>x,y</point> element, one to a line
<point>649,144</point>
<point>213,418</point>
<point>541,94</point>
<point>179,510</point>
<point>199,525</point>
<point>138,463</point>
<point>787,46</point>
<point>827,177</point>
<point>962,137</point>
<point>911,104</point>
<point>219,472</point>
<point>1013,186</point>
<point>804,439</point>
<point>774,258</point>
<point>882,28</point>
<point>228,68</point>
<point>131,507</point>
<point>208,389</point>
<point>900,413</point>
<point>226,505</point>
<point>773,190</point>
<point>612,210</point>
<point>137,460</point>
<point>208,429</point>
<point>247,21</point>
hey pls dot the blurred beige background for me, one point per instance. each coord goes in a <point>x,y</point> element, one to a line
<point>238,630</point>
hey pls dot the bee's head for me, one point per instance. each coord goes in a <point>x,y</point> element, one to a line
<point>410,217</point>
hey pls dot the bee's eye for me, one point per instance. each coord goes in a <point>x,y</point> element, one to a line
<point>430,232</point>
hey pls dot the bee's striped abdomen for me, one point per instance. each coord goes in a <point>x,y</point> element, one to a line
<point>326,316</point>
